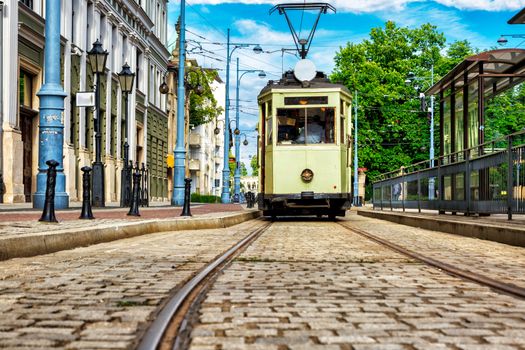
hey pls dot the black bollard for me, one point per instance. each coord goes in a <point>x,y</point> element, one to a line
<point>134,209</point>
<point>48,215</point>
<point>86,194</point>
<point>187,198</point>
<point>142,180</point>
<point>249,200</point>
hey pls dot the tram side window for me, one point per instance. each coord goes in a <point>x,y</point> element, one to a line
<point>305,125</point>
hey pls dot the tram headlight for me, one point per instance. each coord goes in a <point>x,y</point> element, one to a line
<point>307,175</point>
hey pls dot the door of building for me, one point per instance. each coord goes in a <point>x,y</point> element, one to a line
<point>26,126</point>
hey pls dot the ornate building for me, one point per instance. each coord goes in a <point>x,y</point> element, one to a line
<point>133,32</point>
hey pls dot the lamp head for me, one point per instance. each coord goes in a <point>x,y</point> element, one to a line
<point>257,49</point>
<point>502,40</point>
<point>245,142</point>
<point>164,88</point>
<point>262,74</point>
<point>236,131</point>
<point>216,131</point>
<point>97,57</point>
<point>126,79</point>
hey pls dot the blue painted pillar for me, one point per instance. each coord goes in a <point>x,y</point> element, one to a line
<point>180,152</point>
<point>51,126</point>
<point>237,175</point>
<point>225,195</point>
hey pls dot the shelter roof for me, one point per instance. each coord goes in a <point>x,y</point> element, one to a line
<point>502,68</point>
<point>518,18</point>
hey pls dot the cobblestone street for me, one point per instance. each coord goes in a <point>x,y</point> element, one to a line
<point>302,285</point>
<point>99,297</point>
<point>309,285</point>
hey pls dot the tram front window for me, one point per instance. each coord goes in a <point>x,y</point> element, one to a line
<point>305,125</point>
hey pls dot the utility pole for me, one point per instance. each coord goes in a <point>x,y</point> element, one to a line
<point>356,174</point>
<point>180,151</point>
<point>51,124</point>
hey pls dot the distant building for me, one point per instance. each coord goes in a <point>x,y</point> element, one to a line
<point>250,184</point>
<point>131,31</point>
<point>204,149</point>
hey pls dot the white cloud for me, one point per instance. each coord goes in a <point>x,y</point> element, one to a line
<point>360,6</point>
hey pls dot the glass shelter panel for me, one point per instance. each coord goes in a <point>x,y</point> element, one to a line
<point>458,122</point>
<point>447,131</point>
<point>473,124</point>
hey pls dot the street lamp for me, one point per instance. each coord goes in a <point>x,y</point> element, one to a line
<point>237,174</point>
<point>225,195</point>
<point>126,79</point>
<point>410,79</point>
<point>97,59</point>
<point>503,40</point>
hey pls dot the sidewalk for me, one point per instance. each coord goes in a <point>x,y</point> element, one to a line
<point>22,235</point>
<point>495,227</point>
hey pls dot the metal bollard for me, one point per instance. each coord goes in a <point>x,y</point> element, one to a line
<point>48,215</point>
<point>142,181</point>
<point>249,200</point>
<point>86,194</point>
<point>187,198</point>
<point>134,209</point>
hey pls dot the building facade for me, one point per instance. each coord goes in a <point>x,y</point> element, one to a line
<point>204,148</point>
<point>133,32</point>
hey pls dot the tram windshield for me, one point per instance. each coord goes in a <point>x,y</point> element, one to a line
<point>305,125</point>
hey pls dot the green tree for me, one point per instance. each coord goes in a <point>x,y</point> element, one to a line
<point>255,166</point>
<point>392,129</point>
<point>203,107</point>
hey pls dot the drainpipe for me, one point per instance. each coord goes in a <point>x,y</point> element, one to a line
<point>2,185</point>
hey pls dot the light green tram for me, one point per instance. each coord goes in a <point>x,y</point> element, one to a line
<point>305,133</point>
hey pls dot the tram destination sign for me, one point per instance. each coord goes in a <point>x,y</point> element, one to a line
<point>306,100</point>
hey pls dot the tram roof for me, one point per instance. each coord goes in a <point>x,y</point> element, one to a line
<point>288,81</point>
<point>502,68</point>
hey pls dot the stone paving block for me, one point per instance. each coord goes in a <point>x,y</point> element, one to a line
<point>346,339</point>
<point>97,345</point>
<point>505,340</point>
<point>485,347</point>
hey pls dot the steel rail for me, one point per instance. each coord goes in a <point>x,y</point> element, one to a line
<point>155,333</point>
<point>499,286</point>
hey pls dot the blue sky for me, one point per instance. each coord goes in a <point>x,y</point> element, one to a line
<point>479,21</point>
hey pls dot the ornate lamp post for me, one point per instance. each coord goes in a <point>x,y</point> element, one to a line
<point>126,79</point>
<point>237,174</point>
<point>97,59</point>
<point>225,195</point>
<point>51,123</point>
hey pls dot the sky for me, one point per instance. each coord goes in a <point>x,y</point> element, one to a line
<point>481,22</point>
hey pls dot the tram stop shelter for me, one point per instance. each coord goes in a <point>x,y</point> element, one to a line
<point>471,175</point>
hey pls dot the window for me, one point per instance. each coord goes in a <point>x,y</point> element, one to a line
<point>305,125</point>
<point>26,89</point>
<point>138,64</point>
<point>28,3</point>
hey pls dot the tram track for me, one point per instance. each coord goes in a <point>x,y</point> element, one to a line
<point>171,326</point>
<point>494,284</point>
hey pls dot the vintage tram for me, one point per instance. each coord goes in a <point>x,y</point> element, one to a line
<point>305,130</point>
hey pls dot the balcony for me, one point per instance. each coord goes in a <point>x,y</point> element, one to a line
<point>194,165</point>
<point>195,140</point>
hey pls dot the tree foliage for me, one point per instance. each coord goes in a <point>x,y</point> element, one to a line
<point>203,107</point>
<point>393,131</point>
<point>255,166</point>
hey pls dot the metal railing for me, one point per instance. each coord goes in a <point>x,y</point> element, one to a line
<point>486,179</point>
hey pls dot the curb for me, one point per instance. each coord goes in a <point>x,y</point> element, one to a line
<point>50,242</point>
<point>491,232</point>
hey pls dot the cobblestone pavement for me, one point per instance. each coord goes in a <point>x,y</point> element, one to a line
<point>99,297</point>
<point>314,285</point>
<point>19,223</point>
<point>497,260</point>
